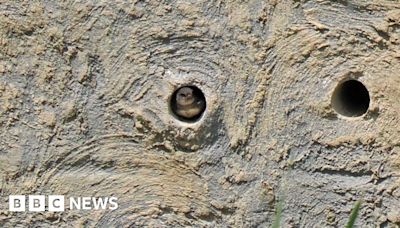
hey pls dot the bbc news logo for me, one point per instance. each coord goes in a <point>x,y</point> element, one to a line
<point>57,203</point>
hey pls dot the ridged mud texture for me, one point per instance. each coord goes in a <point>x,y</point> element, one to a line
<point>85,89</point>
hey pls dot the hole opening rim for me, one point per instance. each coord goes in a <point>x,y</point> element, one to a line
<point>336,98</point>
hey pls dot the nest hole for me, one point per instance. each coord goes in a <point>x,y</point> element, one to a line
<point>351,99</point>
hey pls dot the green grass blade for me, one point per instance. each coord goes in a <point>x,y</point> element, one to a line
<point>278,215</point>
<point>353,215</point>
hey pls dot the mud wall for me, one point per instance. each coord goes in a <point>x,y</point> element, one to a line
<point>85,89</point>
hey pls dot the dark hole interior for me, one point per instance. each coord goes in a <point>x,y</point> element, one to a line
<point>351,98</point>
<point>198,94</point>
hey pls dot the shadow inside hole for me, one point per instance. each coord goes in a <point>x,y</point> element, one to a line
<point>199,105</point>
<point>351,98</point>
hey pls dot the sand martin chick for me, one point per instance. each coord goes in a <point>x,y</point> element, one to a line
<point>189,104</point>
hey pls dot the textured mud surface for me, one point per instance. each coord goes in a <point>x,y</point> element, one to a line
<point>84,111</point>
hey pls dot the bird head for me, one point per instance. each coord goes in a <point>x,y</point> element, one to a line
<point>185,96</point>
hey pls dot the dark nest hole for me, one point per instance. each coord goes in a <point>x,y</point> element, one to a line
<point>351,98</point>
